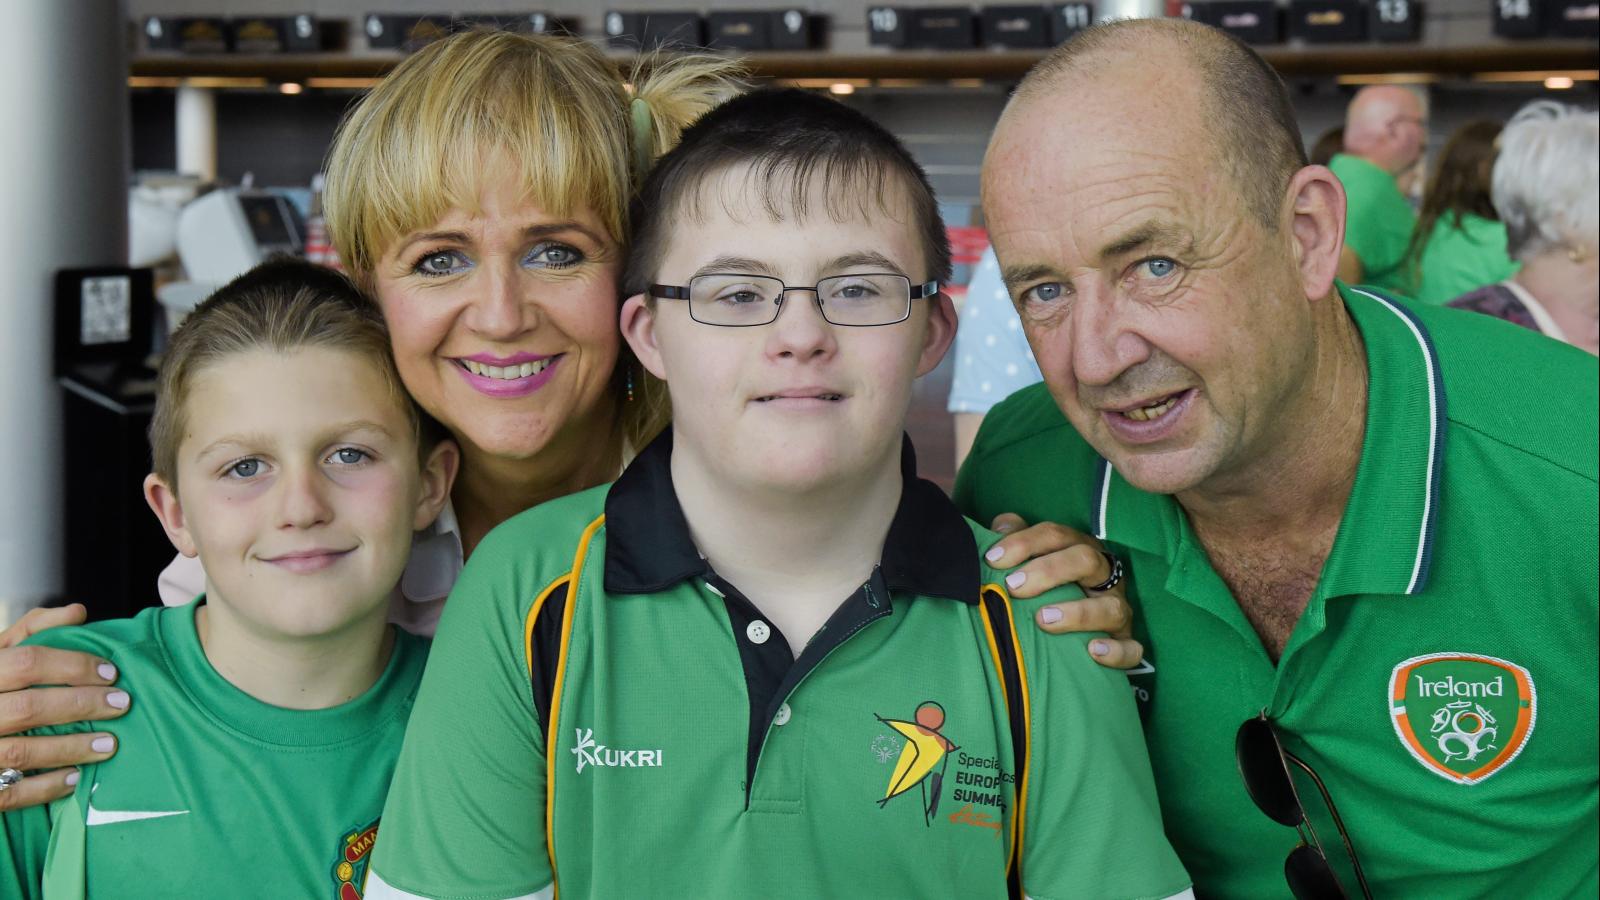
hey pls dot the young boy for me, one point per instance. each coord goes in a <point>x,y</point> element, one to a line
<point>289,459</point>
<point>768,660</point>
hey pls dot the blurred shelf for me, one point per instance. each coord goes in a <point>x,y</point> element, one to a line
<point>1348,59</point>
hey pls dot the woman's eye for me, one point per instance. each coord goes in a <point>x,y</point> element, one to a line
<point>1048,292</point>
<point>551,255</point>
<point>1159,267</point>
<point>444,262</point>
<point>245,468</point>
<point>349,456</point>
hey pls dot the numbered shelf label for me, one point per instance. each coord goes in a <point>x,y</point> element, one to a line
<point>1395,20</point>
<point>1067,19</point>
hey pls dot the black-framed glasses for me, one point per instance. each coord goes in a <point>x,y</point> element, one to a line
<point>1264,766</point>
<point>737,300</point>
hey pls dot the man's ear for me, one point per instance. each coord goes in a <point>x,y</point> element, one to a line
<point>1315,204</point>
<point>438,476</point>
<point>163,500</point>
<point>939,334</point>
<point>638,323</point>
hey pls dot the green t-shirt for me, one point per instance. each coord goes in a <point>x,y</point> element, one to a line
<point>1378,221</point>
<point>212,793</point>
<point>1456,260</point>
<point>1470,532</point>
<point>678,748</point>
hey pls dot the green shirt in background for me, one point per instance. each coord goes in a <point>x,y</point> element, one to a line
<point>684,751</point>
<point>212,793</point>
<point>1442,680</point>
<point>1457,260</point>
<point>1378,221</point>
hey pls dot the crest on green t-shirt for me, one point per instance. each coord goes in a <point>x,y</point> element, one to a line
<point>355,852</point>
<point>1462,715</point>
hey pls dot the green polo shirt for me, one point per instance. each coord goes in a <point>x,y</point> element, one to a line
<point>1442,680</point>
<point>1378,221</point>
<point>1460,258</point>
<point>603,711</point>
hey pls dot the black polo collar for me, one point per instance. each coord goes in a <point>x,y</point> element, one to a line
<point>929,551</point>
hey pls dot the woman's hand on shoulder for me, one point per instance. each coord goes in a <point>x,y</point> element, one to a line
<point>50,761</point>
<point>1046,556</point>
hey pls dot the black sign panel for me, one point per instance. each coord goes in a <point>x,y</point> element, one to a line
<point>302,34</point>
<point>941,28</point>
<point>1015,26</point>
<point>1517,18</point>
<point>650,30</point>
<point>403,32</point>
<point>1395,20</point>
<point>1575,18</point>
<point>1251,21</point>
<point>886,26</point>
<point>161,32</point>
<point>1067,19</point>
<point>260,34</point>
<point>1327,21</point>
<point>739,30</point>
<point>795,29</point>
<point>203,35</point>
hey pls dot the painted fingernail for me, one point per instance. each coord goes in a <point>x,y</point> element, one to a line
<point>1099,648</point>
<point>1049,615</point>
<point>107,671</point>
<point>995,553</point>
<point>118,699</point>
<point>1015,579</point>
<point>102,744</point>
<point>72,778</point>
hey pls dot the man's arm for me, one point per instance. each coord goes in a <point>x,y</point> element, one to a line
<point>465,814</point>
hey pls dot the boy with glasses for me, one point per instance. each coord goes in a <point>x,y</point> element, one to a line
<point>769,659</point>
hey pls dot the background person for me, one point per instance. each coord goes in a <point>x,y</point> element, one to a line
<point>1310,483</point>
<point>992,357</point>
<point>1459,243</point>
<point>1547,189</point>
<point>1385,133</point>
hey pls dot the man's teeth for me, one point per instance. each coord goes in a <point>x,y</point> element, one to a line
<point>1146,413</point>
<point>507,373</point>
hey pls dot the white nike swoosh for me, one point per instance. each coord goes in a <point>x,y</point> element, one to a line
<point>111,817</point>
<point>1143,668</point>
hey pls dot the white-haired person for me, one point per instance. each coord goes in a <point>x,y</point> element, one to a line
<point>1545,187</point>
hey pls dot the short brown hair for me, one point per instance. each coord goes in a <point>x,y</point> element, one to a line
<point>788,137</point>
<point>280,305</point>
<point>1256,135</point>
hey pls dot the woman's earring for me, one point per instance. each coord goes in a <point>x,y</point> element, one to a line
<point>630,385</point>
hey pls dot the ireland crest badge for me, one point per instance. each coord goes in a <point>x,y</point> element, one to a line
<point>1462,715</point>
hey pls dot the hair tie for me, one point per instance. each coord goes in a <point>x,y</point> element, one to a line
<point>643,138</point>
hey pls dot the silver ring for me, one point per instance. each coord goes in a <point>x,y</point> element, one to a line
<point>1116,573</point>
<point>9,777</point>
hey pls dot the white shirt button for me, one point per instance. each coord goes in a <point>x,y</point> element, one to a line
<point>758,632</point>
<point>782,715</point>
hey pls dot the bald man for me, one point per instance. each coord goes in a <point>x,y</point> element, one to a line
<point>1385,132</point>
<point>1354,531</point>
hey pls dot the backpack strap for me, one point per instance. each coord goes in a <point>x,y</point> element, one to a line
<point>1001,630</point>
<point>547,633</point>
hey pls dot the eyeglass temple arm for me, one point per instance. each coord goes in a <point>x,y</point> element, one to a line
<point>1338,821</point>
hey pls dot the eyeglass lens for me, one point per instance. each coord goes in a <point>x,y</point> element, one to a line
<point>736,299</point>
